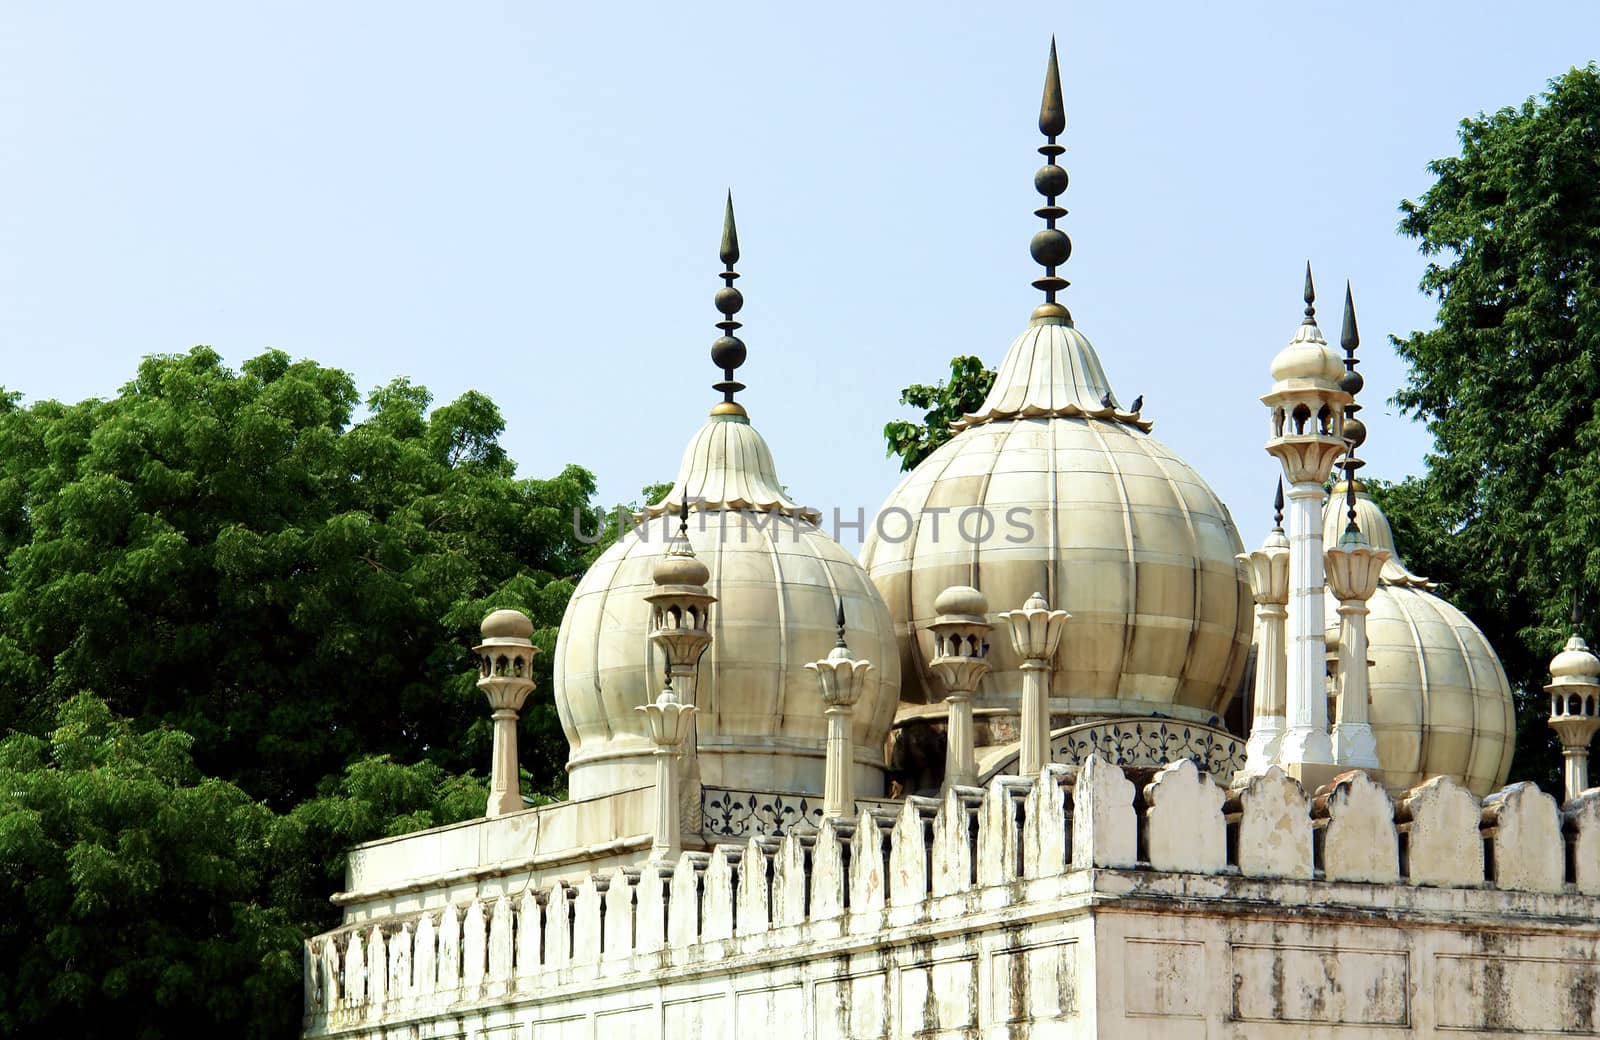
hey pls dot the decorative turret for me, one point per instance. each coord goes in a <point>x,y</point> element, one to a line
<point>1268,569</point>
<point>960,648</point>
<point>680,607</point>
<point>840,679</point>
<point>1035,631</point>
<point>1575,705</point>
<point>505,675</point>
<point>1307,406</point>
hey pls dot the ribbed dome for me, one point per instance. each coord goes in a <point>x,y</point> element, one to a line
<point>1088,508</point>
<point>760,724</point>
<point>1441,705</point>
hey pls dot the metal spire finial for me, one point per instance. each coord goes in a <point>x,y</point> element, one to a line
<point>1310,298</point>
<point>838,604</point>
<point>1277,507</point>
<point>1577,615</point>
<point>1051,247</point>
<point>1355,431</point>
<point>728,352</point>
<point>683,516</point>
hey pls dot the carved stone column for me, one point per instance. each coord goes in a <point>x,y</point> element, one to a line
<point>1035,633</point>
<point>1353,570</point>
<point>841,680</point>
<point>960,647</point>
<point>505,675</point>
<point>669,725</point>
<point>1268,572</point>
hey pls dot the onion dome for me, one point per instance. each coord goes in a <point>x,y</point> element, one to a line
<point>1575,665</point>
<point>777,580</point>
<point>1441,705</point>
<point>1051,486</point>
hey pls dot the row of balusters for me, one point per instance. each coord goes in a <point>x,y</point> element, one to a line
<point>1175,820</point>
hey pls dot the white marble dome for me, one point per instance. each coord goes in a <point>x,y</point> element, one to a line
<point>775,574</point>
<point>1441,705</point>
<point>1121,533</point>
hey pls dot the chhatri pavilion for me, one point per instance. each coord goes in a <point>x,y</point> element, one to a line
<point>1058,756</point>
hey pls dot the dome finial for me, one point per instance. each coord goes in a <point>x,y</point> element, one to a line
<point>1310,295</point>
<point>1051,247</point>
<point>838,606</point>
<point>1355,431</point>
<point>728,352</point>
<point>1277,507</point>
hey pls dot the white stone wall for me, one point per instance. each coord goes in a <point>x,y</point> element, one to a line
<point>1074,905</point>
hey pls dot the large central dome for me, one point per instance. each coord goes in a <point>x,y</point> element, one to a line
<point>1048,488</point>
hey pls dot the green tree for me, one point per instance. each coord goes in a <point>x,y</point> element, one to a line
<point>233,554</point>
<point>141,898</point>
<point>942,404</point>
<point>1507,514</point>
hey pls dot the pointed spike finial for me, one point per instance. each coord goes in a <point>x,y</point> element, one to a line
<point>1577,614</point>
<point>728,352</point>
<point>683,515</point>
<point>730,235</point>
<point>1310,298</point>
<point>1349,335</point>
<point>1051,247</point>
<point>1277,507</point>
<point>838,605</point>
<point>1052,112</point>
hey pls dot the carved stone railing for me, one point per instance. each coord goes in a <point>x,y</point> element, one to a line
<point>1151,742</point>
<point>990,848</point>
<point>740,814</point>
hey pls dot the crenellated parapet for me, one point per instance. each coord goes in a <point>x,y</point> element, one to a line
<point>1018,849</point>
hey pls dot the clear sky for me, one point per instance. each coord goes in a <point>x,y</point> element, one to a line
<point>525,198</point>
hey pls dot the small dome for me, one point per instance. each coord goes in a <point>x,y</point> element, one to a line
<point>680,568</point>
<point>1575,665</point>
<point>961,601</point>
<point>506,624</point>
<point>1440,701</point>
<point>1308,358</point>
<point>760,723</point>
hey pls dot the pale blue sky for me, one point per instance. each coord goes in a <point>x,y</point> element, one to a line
<point>525,199</point>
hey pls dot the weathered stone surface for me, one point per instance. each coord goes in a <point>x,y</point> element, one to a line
<point>474,946</point>
<point>1440,821</point>
<point>1104,831</point>
<point>754,912</point>
<point>650,910</point>
<point>355,971</point>
<point>1184,828</point>
<point>530,933</point>
<point>716,901</point>
<point>1582,825</point>
<point>448,979</point>
<point>1356,834</point>
<point>789,883</point>
<point>377,955</point>
<point>683,915</point>
<point>500,940</point>
<point>1523,828</point>
<point>557,928</point>
<point>999,834</point>
<point>1044,836</point>
<point>618,940</point>
<point>424,957</point>
<point>827,873</point>
<point>868,872</point>
<point>952,846</point>
<point>1273,838</point>
<point>586,936</point>
<point>908,859</point>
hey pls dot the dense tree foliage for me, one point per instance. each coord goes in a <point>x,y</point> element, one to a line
<point>1508,511</point>
<point>269,594</point>
<point>942,404</point>
<point>230,553</point>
